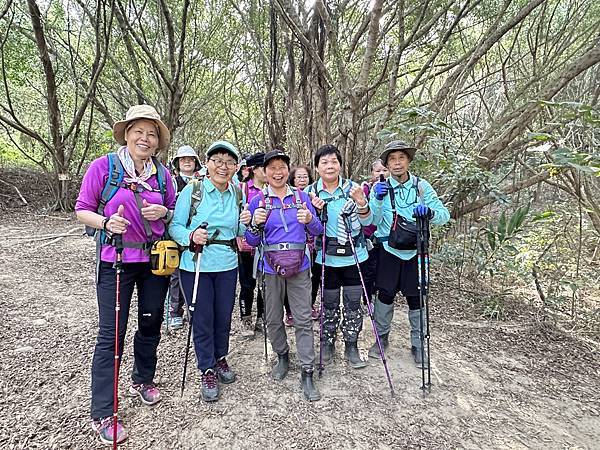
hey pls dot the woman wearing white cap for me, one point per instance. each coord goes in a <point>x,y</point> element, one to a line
<point>186,165</point>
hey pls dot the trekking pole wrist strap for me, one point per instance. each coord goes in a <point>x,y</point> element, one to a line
<point>105,223</point>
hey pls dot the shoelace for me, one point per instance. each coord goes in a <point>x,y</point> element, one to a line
<point>107,422</point>
<point>210,380</point>
<point>222,365</point>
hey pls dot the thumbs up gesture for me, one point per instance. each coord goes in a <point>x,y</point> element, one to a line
<point>117,223</point>
<point>260,216</point>
<point>304,215</point>
<point>245,215</point>
<point>316,201</point>
<point>152,211</point>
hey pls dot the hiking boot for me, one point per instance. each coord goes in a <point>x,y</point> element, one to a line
<point>418,357</point>
<point>374,350</point>
<point>310,391</point>
<point>210,386</point>
<point>225,374</point>
<point>280,370</point>
<point>353,356</point>
<point>288,321</point>
<point>258,327</point>
<point>328,351</point>
<point>315,313</point>
<point>416,317</point>
<point>247,328</point>
<point>104,428</point>
<point>148,393</point>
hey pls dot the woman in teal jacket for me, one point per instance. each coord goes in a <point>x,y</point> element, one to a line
<point>220,208</point>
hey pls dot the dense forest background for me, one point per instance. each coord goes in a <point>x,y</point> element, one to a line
<point>501,98</point>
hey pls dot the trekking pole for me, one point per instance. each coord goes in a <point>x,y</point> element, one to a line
<point>197,257</point>
<point>167,308</point>
<point>117,242</point>
<point>322,308</point>
<point>262,289</point>
<point>423,274</point>
<point>348,226</point>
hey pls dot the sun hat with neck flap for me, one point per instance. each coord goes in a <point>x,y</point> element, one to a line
<point>138,112</point>
<point>397,146</point>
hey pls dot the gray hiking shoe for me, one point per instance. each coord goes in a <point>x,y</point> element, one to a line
<point>210,386</point>
<point>224,372</point>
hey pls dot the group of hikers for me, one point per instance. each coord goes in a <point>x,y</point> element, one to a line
<point>259,218</point>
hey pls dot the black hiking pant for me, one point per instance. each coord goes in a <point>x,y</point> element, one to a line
<point>399,276</point>
<point>247,287</point>
<point>151,291</point>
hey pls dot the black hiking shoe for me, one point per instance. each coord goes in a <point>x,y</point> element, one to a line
<point>310,391</point>
<point>225,374</point>
<point>328,351</point>
<point>281,368</point>
<point>210,386</point>
<point>353,356</point>
<point>374,350</point>
<point>420,361</point>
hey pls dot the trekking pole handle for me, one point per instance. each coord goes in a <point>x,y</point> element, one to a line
<point>324,214</point>
<point>203,226</point>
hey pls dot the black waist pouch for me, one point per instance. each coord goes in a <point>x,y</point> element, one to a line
<point>403,234</point>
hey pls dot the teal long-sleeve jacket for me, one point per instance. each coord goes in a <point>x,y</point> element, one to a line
<point>221,211</point>
<point>406,198</point>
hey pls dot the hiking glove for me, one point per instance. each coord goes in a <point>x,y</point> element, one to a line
<point>381,190</point>
<point>423,212</point>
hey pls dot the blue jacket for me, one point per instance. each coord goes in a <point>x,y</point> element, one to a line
<point>406,198</point>
<point>335,202</point>
<point>221,211</point>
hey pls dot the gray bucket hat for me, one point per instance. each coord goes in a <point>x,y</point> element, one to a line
<point>396,146</point>
<point>186,150</point>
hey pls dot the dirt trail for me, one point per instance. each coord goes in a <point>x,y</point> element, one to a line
<point>496,384</point>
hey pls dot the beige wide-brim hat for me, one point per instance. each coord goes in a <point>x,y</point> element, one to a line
<point>137,112</point>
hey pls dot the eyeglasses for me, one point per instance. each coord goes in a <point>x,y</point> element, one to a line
<point>301,177</point>
<point>219,162</point>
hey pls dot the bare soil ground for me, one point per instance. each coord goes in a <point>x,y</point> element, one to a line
<point>497,384</point>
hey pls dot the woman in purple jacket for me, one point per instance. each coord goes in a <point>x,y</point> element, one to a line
<point>139,208</point>
<point>282,216</point>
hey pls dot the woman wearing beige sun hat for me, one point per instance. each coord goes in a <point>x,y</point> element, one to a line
<point>127,193</point>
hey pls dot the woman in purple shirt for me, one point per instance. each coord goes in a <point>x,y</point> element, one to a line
<point>138,210</point>
<point>282,216</point>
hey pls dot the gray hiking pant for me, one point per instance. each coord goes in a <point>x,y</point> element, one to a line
<point>298,290</point>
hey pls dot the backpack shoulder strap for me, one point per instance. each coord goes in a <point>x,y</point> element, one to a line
<point>239,195</point>
<point>418,189</point>
<point>297,196</point>
<point>116,174</point>
<point>346,187</point>
<point>196,200</point>
<point>161,176</point>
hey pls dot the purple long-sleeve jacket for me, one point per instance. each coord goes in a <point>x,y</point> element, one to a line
<point>282,224</point>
